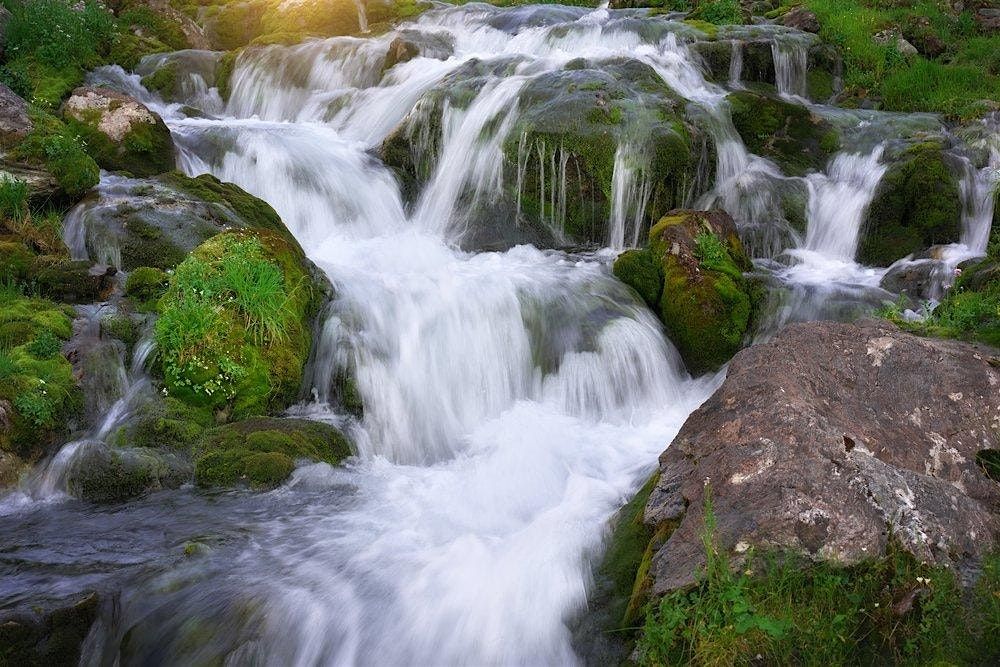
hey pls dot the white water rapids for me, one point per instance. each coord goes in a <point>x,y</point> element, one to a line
<point>513,400</point>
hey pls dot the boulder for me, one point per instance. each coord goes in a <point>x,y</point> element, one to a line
<point>791,135</point>
<point>917,204</point>
<point>577,119</point>
<point>691,274</point>
<point>47,632</point>
<point>74,281</point>
<point>121,133</point>
<point>263,452</point>
<point>132,223</point>
<point>103,473</point>
<point>829,441</point>
<point>15,124</point>
<point>52,160</point>
<point>235,324</point>
<point>801,18</point>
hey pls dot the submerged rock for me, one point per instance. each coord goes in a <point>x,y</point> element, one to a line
<point>917,204</point>
<point>263,452</point>
<point>49,633</point>
<point>830,441</point>
<point>121,133</point>
<point>692,274</point>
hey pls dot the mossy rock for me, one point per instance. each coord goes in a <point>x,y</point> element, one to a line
<point>53,147</point>
<point>234,331</point>
<point>49,83</point>
<point>165,423</point>
<point>162,81</point>
<point>262,452</point>
<point>104,474</point>
<point>120,132</point>
<point>16,260</point>
<point>692,274</point>
<point>129,49</point>
<point>917,204</point>
<point>38,390</point>
<point>795,138</point>
<point>144,286</point>
<point>69,281</point>
<point>156,223</point>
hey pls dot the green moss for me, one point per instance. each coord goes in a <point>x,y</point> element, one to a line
<point>155,25</point>
<point>146,150</point>
<point>129,49</point>
<point>34,377</point>
<point>709,29</point>
<point>16,261</point>
<point>224,73</point>
<point>54,147</point>
<point>49,84</point>
<point>167,424</point>
<point>162,81</point>
<point>639,270</point>
<point>254,212</point>
<point>917,205</point>
<point>234,324</point>
<point>692,276</point>
<point>787,133</point>
<point>819,84</point>
<point>262,452</point>
<point>144,286</point>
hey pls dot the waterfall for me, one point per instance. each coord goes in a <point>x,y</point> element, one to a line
<point>790,66</point>
<point>630,191</point>
<point>736,64</point>
<point>838,201</point>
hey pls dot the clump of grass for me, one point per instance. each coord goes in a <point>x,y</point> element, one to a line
<point>230,321</point>
<point>782,609</point>
<point>13,200</point>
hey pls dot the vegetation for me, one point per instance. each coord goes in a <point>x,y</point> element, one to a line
<point>233,330</point>
<point>262,452</point>
<point>958,81</point>
<point>34,377</point>
<point>780,609</point>
<point>54,147</point>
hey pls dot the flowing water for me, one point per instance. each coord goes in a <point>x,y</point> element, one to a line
<point>513,400</point>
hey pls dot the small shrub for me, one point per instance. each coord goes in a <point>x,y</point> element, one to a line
<point>719,12</point>
<point>13,200</point>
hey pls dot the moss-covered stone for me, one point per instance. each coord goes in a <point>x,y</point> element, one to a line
<point>38,391</point>
<point>102,474</point>
<point>262,452</point>
<point>72,281</point>
<point>53,147</point>
<point>144,286</point>
<point>52,633</point>
<point>120,133</point>
<point>16,260</point>
<point>234,328</point>
<point>795,138</point>
<point>156,223</point>
<point>692,274</point>
<point>162,81</point>
<point>166,423</point>
<point>916,205</point>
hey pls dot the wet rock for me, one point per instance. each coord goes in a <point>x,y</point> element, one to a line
<point>917,204</point>
<point>692,275</point>
<point>829,441</point>
<point>74,281</point>
<point>262,452</point>
<point>235,324</point>
<point>795,138</point>
<point>132,223</point>
<point>42,184</point>
<point>577,119</point>
<point>14,121</point>
<point>102,473</point>
<point>802,19</point>
<point>410,43</point>
<point>917,279</point>
<point>47,633</point>
<point>121,133</point>
<point>11,466</point>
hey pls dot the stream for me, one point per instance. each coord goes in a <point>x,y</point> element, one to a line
<point>515,399</point>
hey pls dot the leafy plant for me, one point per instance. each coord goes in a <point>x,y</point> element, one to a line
<point>45,346</point>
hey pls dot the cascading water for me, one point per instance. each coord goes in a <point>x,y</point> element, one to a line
<point>512,400</point>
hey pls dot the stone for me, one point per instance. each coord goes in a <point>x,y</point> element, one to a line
<point>48,632</point>
<point>905,48</point>
<point>801,18</point>
<point>409,44</point>
<point>829,440</point>
<point>122,134</point>
<point>15,124</point>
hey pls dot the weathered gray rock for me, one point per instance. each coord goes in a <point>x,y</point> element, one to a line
<point>410,43</point>
<point>101,473</point>
<point>831,440</point>
<point>14,121</point>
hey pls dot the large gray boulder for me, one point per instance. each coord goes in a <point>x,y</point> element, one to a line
<point>832,440</point>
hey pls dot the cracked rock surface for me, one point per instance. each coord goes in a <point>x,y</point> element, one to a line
<point>830,440</point>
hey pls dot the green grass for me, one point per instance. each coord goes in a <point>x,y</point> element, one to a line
<point>955,83</point>
<point>785,610</point>
<point>13,200</point>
